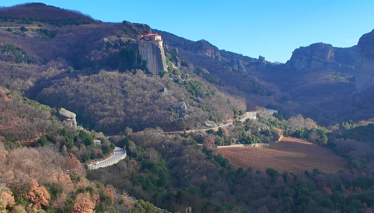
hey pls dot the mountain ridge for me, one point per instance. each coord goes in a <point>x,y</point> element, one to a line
<point>97,72</point>
<point>41,11</point>
<point>260,82</point>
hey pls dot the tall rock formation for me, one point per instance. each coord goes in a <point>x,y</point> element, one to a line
<point>151,49</point>
<point>320,55</point>
<point>365,61</point>
<point>237,64</point>
<point>206,48</point>
<point>261,61</point>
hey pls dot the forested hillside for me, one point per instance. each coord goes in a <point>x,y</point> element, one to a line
<point>173,172</point>
<point>41,163</point>
<point>24,120</point>
<point>51,58</point>
<point>93,70</point>
<point>113,101</point>
<point>44,180</point>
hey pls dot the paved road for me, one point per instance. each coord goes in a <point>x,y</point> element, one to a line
<point>118,154</point>
<point>249,115</point>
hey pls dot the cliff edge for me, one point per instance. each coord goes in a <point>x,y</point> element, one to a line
<point>320,55</point>
<point>151,50</point>
<point>365,61</point>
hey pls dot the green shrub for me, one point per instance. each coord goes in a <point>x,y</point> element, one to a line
<point>23,29</point>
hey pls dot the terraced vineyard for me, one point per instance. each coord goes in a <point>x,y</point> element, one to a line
<point>290,154</point>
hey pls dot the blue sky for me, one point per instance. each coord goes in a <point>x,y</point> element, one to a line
<point>271,28</point>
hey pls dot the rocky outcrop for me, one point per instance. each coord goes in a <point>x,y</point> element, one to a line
<point>206,48</point>
<point>164,91</point>
<point>320,55</point>
<point>175,61</point>
<point>107,43</point>
<point>237,64</point>
<point>365,61</point>
<point>181,106</point>
<point>261,61</point>
<point>186,48</point>
<point>153,52</point>
<point>68,117</point>
<point>115,42</point>
<point>200,47</point>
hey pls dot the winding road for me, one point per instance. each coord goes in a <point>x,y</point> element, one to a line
<point>118,154</point>
<point>249,115</point>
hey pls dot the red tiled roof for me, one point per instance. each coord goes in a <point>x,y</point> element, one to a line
<point>149,34</point>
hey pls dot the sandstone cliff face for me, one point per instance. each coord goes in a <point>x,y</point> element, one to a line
<point>237,64</point>
<point>153,52</point>
<point>321,55</point>
<point>218,63</point>
<point>200,47</point>
<point>238,61</point>
<point>205,48</point>
<point>233,60</point>
<point>365,61</point>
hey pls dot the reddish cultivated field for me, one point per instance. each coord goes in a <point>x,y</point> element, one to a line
<point>290,154</point>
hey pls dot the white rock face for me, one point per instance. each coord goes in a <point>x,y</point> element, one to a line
<point>68,117</point>
<point>153,52</point>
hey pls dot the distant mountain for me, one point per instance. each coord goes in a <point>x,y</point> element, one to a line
<point>327,83</point>
<point>356,60</point>
<point>59,57</point>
